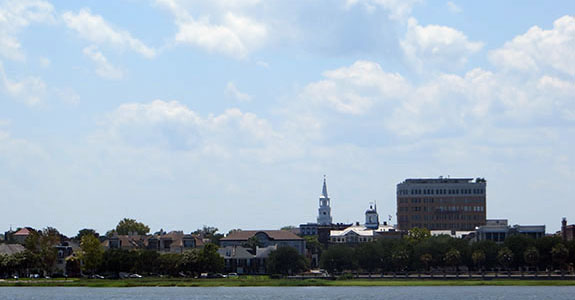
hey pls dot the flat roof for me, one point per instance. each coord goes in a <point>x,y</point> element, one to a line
<point>443,180</point>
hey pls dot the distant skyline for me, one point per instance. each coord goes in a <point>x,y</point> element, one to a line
<point>183,113</point>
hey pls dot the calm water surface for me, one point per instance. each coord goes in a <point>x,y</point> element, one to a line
<point>280,293</point>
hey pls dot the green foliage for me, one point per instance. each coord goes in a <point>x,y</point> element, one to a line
<point>85,231</point>
<point>417,235</point>
<point>209,232</point>
<point>92,253</point>
<point>367,256</point>
<point>426,260</point>
<point>41,250</point>
<point>312,244</point>
<point>204,260</point>
<point>505,257</point>
<point>128,226</point>
<point>452,257</point>
<point>400,258</point>
<point>169,264</point>
<point>560,253</point>
<point>336,259</point>
<point>478,258</point>
<point>252,243</point>
<point>286,261</point>
<point>119,260</point>
<point>531,256</point>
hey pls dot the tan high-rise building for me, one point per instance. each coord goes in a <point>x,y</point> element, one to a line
<point>441,203</point>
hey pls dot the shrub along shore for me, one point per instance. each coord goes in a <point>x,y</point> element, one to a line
<point>254,281</point>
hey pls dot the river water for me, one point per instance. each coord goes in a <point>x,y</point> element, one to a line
<point>280,293</point>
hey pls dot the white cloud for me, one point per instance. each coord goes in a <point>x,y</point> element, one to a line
<point>262,64</point>
<point>103,68</point>
<point>539,49</point>
<point>232,91</point>
<point>355,89</point>
<point>174,126</point>
<point>29,90</point>
<point>454,8</point>
<point>227,32</point>
<point>96,30</point>
<point>435,46</point>
<point>398,9</point>
<point>16,15</point>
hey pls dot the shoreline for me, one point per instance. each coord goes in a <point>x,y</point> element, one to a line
<point>264,282</point>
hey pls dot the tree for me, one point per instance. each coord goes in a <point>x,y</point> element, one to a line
<point>41,245</point>
<point>490,249</point>
<point>85,231</point>
<point>211,260</point>
<point>210,233</point>
<point>505,257</point>
<point>170,263</point>
<point>478,258</point>
<point>400,258</point>
<point>367,256</point>
<point>286,261</point>
<point>337,259</point>
<point>92,253</point>
<point>560,253</point>
<point>252,243</point>
<point>204,260</point>
<point>531,256</point>
<point>426,260</point>
<point>416,235</point>
<point>131,226</point>
<point>452,257</point>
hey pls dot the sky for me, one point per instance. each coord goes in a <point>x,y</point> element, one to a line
<point>228,113</point>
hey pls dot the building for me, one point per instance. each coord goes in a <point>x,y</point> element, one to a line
<point>498,230</point>
<point>243,260</point>
<point>265,238</point>
<point>20,235</point>
<point>324,210</point>
<point>11,249</point>
<point>369,232</point>
<point>567,231</point>
<point>441,204</point>
<point>172,242</point>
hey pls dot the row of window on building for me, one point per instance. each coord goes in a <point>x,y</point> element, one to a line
<point>441,200</point>
<point>443,208</point>
<point>441,192</point>
<point>440,217</point>
<point>446,226</point>
<point>347,240</point>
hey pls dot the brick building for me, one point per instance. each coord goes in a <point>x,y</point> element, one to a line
<point>441,203</point>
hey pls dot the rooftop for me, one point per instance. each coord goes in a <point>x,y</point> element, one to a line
<point>244,235</point>
<point>443,180</point>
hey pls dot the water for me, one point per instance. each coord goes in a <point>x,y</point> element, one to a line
<point>280,293</point>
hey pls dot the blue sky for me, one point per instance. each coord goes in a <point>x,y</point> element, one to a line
<point>183,113</point>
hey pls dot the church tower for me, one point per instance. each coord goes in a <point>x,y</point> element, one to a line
<point>324,211</point>
<point>371,217</point>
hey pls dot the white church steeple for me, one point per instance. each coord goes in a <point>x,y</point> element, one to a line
<point>324,211</point>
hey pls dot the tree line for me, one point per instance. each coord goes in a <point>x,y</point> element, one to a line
<point>418,251</point>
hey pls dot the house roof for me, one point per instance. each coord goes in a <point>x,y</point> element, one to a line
<point>11,249</point>
<point>23,231</point>
<point>360,231</point>
<point>244,235</point>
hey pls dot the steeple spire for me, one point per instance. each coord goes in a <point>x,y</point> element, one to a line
<point>324,190</point>
<point>324,211</point>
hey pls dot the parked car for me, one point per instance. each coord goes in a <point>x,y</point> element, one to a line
<point>233,275</point>
<point>135,276</point>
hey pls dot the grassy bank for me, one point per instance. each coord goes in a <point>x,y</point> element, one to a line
<point>265,281</point>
